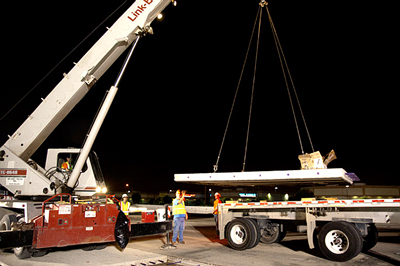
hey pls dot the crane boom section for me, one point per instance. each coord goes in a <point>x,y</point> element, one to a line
<point>74,86</point>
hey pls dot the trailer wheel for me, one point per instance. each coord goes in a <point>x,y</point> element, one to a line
<point>256,230</point>
<point>371,239</point>
<point>22,252</point>
<point>271,233</point>
<point>240,234</point>
<point>340,241</point>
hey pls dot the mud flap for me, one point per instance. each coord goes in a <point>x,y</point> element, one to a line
<point>121,232</point>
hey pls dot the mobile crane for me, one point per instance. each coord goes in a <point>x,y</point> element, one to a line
<point>67,222</point>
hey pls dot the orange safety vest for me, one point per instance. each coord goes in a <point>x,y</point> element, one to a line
<point>216,206</point>
<point>66,166</point>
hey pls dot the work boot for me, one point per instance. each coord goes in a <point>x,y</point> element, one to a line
<point>182,242</point>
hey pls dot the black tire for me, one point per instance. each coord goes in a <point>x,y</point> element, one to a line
<point>7,220</point>
<point>371,239</point>
<point>22,252</point>
<point>101,246</point>
<point>40,253</point>
<point>94,247</point>
<point>271,233</point>
<point>89,248</point>
<point>240,234</point>
<point>340,241</point>
<point>257,234</point>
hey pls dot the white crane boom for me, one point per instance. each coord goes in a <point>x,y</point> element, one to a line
<point>15,173</point>
<point>74,86</point>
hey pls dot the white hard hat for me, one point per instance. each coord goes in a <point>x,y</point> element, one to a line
<point>124,196</point>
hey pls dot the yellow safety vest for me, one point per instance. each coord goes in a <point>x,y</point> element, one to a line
<point>179,209</point>
<point>125,207</point>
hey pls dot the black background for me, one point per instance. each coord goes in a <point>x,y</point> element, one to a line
<point>173,103</point>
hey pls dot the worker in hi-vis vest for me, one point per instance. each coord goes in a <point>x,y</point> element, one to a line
<point>180,215</point>
<point>125,204</point>
<point>67,165</point>
<point>215,212</point>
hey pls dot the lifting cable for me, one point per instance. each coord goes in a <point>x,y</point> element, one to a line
<point>59,63</point>
<point>285,68</point>
<point>236,93</point>
<point>252,92</point>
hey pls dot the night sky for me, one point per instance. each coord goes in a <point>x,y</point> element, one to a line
<point>172,106</point>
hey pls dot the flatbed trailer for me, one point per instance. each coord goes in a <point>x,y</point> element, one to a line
<point>341,228</point>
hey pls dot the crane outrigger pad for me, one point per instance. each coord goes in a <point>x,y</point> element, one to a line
<point>285,177</point>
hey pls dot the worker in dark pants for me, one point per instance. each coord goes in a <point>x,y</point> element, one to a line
<point>215,213</point>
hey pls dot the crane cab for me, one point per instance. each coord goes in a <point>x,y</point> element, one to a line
<point>91,179</point>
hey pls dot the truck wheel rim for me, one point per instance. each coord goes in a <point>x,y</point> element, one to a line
<point>238,234</point>
<point>337,242</point>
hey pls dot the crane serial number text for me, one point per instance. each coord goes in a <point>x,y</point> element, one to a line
<point>12,172</point>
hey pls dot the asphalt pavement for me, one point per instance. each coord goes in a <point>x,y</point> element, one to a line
<point>203,247</point>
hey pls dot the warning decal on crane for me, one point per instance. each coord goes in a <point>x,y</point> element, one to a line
<point>15,181</point>
<point>90,214</point>
<point>64,209</point>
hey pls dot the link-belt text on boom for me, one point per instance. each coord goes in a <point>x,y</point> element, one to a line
<point>140,9</point>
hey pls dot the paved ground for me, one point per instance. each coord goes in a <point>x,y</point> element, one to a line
<point>204,248</point>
